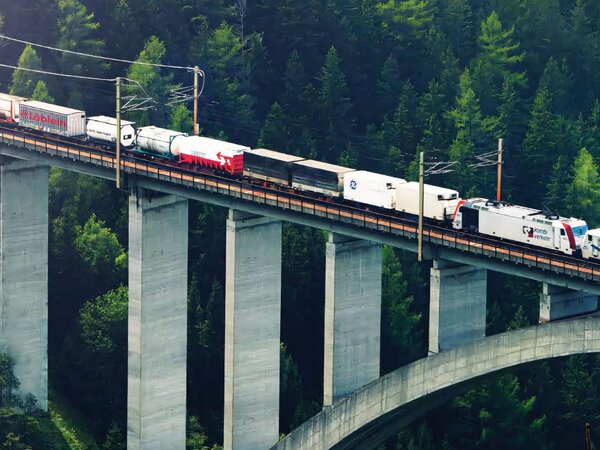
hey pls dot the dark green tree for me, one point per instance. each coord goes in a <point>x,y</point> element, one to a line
<point>79,32</point>
<point>152,83</point>
<point>24,82</point>
<point>584,190</point>
<point>274,133</point>
<point>335,105</point>
<point>495,63</point>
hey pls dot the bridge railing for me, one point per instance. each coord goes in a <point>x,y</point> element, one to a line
<point>303,204</point>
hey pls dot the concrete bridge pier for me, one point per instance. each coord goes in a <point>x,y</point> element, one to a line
<point>352,316</point>
<point>558,302</point>
<point>24,273</point>
<point>157,332</point>
<point>252,331</point>
<point>457,305</point>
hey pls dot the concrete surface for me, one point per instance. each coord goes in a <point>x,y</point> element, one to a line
<point>360,418</point>
<point>352,316</point>
<point>252,331</point>
<point>157,333</point>
<point>558,302</point>
<point>457,305</point>
<point>24,274</point>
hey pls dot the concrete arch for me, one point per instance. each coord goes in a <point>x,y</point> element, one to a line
<point>380,408</point>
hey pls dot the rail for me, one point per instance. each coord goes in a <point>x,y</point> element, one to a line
<point>287,199</point>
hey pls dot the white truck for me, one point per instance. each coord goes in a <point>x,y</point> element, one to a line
<point>521,224</point>
<point>438,203</point>
<point>371,188</point>
<point>590,248</point>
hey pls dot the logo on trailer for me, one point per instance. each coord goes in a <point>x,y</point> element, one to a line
<point>353,184</point>
<point>528,231</point>
<point>43,118</point>
<point>224,160</point>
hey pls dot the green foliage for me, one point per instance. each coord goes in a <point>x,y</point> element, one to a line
<point>182,120</point>
<point>274,134</point>
<point>96,353</point>
<point>492,67</point>
<point>23,82</point>
<point>399,320</point>
<point>153,84</point>
<point>79,32</point>
<point>41,93</point>
<point>584,190</point>
<point>333,94</point>
<point>99,247</point>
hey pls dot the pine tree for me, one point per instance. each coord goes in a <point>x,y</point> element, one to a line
<point>40,93</point>
<point>471,138</point>
<point>151,81</point>
<point>495,63</point>
<point>274,134</point>
<point>399,320</point>
<point>538,151</point>
<point>181,119</point>
<point>388,86</point>
<point>335,105</point>
<point>460,28</point>
<point>78,32</point>
<point>584,191</point>
<point>23,82</point>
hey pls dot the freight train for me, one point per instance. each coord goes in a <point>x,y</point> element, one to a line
<point>442,205</point>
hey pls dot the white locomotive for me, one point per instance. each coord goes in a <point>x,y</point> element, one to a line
<point>521,224</point>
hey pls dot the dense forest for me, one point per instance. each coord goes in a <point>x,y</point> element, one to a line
<point>363,83</point>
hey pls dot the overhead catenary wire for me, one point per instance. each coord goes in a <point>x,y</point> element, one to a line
<point>88,55</point>
<point>130,105</point>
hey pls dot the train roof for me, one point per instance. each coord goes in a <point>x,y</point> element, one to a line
<point>324,166</point>
<point>518,211</point>
<point>13,98</point>
<point>216,144</point>
<point>285,157</point>
<point>365,175</point>
<point>432,189</point>
<point>52,107</point>
<point>109,120</point>
<point>595,232</point>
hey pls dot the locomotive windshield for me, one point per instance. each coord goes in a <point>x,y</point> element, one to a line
<point>579,231</point>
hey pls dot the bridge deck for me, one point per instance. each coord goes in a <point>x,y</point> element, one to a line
<point>380,226</point>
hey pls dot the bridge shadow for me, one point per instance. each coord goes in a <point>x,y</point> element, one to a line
<point>380,409</point>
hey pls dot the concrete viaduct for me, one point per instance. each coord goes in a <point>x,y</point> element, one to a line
<point>376,411</point>
<point>157,341</point>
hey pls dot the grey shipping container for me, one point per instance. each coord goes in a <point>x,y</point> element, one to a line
<point>269,165</point>
<point>52,118</point>
<point>320,177</point>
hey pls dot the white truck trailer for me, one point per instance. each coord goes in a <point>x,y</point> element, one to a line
<point>438,203</point>
<point>9,107</point>
<point>51,118</point>
<point>521,224</point>
<point>371,188</point>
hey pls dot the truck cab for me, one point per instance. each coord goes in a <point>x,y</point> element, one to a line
<point>590,247</point>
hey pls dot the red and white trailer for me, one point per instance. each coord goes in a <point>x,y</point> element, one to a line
<point>521,224</point>
<point>52,118</point>
<point>211,153</point>
<point>9,107</point>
